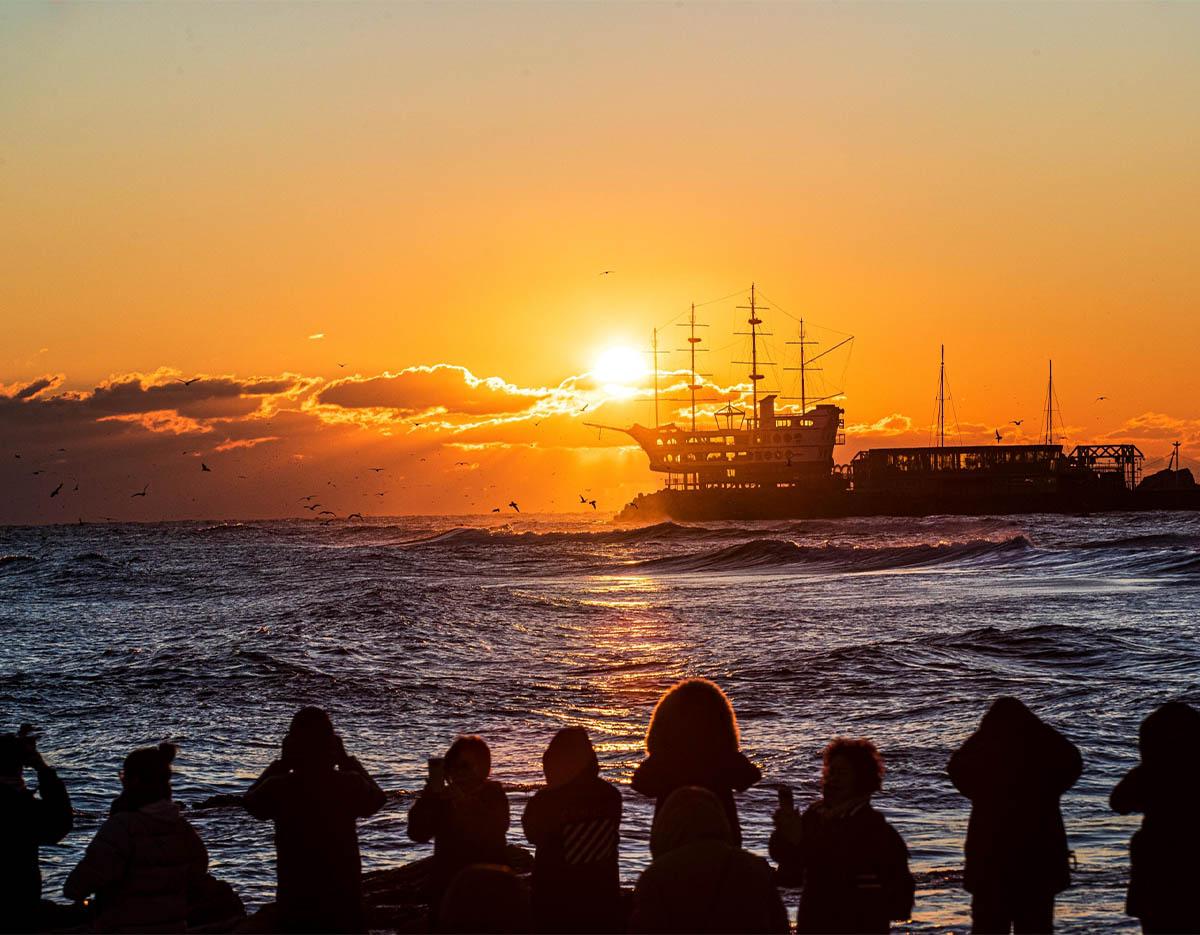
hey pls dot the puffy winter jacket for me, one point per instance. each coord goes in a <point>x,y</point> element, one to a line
<point>141,866</point>
<point>28,821</point>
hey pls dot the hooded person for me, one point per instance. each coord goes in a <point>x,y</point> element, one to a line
<point>1164,860</point>
<point>575,825</point>
<point>700,880</point>
<point>145,861</point>
<point>693,741</point>
<point>852,864</point>
<point>463,812</point>
<point>485,898</point>
<point>1014,769</point>
<point>29,821</point>
<point>315,793</point>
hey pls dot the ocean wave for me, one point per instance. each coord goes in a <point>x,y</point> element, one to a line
<point>758,554</point>
<point>16,561</point>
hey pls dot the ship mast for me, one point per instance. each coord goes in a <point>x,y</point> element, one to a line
<point>804,365</point>
<point>942,401</point>
<point>753,321</point>
<point>692,342</point>
<point>654,358</point>
<point>1050,407</point>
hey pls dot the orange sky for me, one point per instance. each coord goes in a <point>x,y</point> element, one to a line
<point>196,189</point>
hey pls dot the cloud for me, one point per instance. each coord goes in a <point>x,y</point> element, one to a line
<point>317,336</point>
<point>440,388</point>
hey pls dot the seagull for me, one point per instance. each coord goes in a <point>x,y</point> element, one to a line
<point>204,468</point>
<point>513,504</point>
<point>309,497</point>
<point>998,436</point>
<point>142,493</point>
<point>352,515</point>
<point>461,463</point>
<point>187,382</point>
<point>327,513</point>
<point>582,498</point>
<point>418,424</point>
<point>312,507</point>
<point>1016,421</point>
<point>607,272</point>
<point>376,470</point>
<point>54,492</point>
<point>382,493</point>
<point>1099,398</point>
<point>584,407</point>
<point>593,503</point>
<point>341,365</point>
<point>495,509</point>
<point>39,471</point>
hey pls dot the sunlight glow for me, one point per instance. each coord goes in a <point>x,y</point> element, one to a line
<point>619,365</point>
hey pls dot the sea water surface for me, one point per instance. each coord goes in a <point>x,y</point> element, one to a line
<point>410,630</point>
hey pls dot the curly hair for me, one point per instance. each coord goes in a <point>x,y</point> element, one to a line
<point>470,745</point>
<point>863,758</point>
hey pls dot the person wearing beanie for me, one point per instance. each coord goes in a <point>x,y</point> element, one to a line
<point>28,821</point>
<point>315,793</point>
<point>575,825</point>
<point>146,859</point>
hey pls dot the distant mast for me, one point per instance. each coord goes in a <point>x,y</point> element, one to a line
<point>694,383</point>
<point>654,359</point>
<point>1050,407</point>
<point>753,321</point>
<point>942,401</point>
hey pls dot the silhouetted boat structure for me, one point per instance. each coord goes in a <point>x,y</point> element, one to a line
<point>765,464</point>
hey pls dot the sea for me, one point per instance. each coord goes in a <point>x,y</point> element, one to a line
<point>411,630</point>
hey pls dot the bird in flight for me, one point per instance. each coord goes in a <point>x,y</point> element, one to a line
<point>54,492</point>
<point>583,408</point>
<point>376,470</point>
<point>582,499</point>
<point>1100,398</point>
<point>495,509</point>
<point>327,513</point>
<point>309,497</point>
<point>461,463</point>
<point>607,272</point>
<point>1016,421</point>
<point>141,493</point>
<point>341,365</point>
<point>352,515</point>
<point>311,507</point>
<point>593,503</point>
<point>204,468</point>
<point>998,436</point>
<point>187,382</point>
<point>513,504</point>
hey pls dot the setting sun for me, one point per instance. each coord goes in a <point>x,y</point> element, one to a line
<point>619,365</point>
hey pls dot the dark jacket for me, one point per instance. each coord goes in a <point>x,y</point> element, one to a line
<point>722,774</point>
<point>143,865</point>
<point>316,842</point>
<point>576,830</point>
<point>1165,851</point>
<point>700,880</point>
<point>854,869</point>
<point>465,829</point>
<point>1014,769</point>
<point>28,821</point>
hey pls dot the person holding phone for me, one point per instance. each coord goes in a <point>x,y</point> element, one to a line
<point>29,820</point>
<point>852,864</point>
<point>462,811</point>
<point>315,793</point>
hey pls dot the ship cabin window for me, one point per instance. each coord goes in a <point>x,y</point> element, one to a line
<point>658,441</point>
<point>731,472</point>
<point>728,439</point>
<point>691,456</point>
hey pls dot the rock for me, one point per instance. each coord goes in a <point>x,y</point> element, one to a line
<point>1166,479</point>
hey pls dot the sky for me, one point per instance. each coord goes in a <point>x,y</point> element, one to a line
<point>346,219</point>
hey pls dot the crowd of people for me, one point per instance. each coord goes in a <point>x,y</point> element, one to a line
<point>146,869</point>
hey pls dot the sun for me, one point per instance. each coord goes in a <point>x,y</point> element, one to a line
<point>619,366</point>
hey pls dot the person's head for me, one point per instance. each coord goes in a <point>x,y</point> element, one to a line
<point>1170,735</point>
<point>468,762</point>
<point>852,769</point>
<point>569,756</point>
<point>311,742</point>
<point>690,814</point>
<point>12,755</point>
<point>146,774</point>
<point>693,719</point>
<point>1009,717</point>
<point>485,898</point>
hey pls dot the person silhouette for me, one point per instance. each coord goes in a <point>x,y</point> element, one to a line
<point>1164,860</point>
<point>28,821</point>
<point>699,879</point>
<point>852,863</point>
<point>575,825</point>
<point>1014,769</point>
<point>693,741</point>
<point>315,793</point>
<point>463,812</point>
<point>145,861</point>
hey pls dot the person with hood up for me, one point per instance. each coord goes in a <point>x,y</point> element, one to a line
<point>1014,769</point>
<point>146,860</point>
<point>463,812</point>
<point>853,864</point>
<point>1164,858</point>
<point>28,821</point>
<point>700,880</point>
<point>315,793</point>
<point>693,741</point>
<point>575,825</point>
